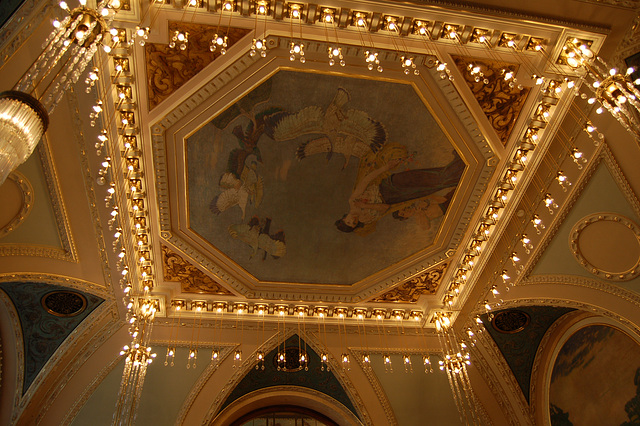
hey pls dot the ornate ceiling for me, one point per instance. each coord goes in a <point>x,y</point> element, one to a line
<point>268,186</point>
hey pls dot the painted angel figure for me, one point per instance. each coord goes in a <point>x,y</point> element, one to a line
<point>349,132</point>
<point>379,191</point>
<point>239,190</point>
<point>256,234</point>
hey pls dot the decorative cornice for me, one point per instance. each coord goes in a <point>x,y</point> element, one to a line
<point>160,140</point>
<point>169,68</point>
<point>17,31</point>
<point>575,280</point>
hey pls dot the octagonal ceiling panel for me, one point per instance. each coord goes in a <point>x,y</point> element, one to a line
<point>284,181</point>
<point>306,176</point>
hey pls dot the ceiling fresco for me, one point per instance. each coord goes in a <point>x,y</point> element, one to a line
<point>597,363</point>
<point>302,178</point>
<point>48,315</point>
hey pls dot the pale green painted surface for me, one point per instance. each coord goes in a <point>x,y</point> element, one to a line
<point>40,227</point>
<point>417,399</point>
<point>165,389</point>
<point>601,194</point>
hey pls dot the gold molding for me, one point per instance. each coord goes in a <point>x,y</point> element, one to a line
<point>19,346</point>
<point>27,195</point>
<point>60,280</point>
<point>602,155</point>
<point>170,68</point>
<point>314,343</point>
<point>410,291</point>
<point>55,197</point>
<point>191,279</point>
<point>500,102</point>
<point>574,245</point>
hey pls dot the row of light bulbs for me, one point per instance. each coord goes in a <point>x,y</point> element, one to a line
<point>281,310</point>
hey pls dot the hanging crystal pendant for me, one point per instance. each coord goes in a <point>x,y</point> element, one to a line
<point>219,42</point>
<point>258,45</point>
<point>23,120</point>
<point>335,53</point>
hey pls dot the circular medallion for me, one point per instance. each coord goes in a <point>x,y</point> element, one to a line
<point>607,245</point>
<point>64,303</point>
<point>16,194</point>
<point>511,321</point>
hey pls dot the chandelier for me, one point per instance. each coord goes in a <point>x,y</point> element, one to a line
<point>24,111</point>
<point>610,89</point>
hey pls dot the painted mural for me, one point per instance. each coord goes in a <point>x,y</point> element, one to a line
<point>596,379</point>
<point>302,178</point>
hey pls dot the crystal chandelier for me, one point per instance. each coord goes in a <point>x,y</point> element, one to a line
<point>611,90</point>
<point>454,364</point>
<point>137,357</point>
<point>24,110</point>
<point>23,120</point>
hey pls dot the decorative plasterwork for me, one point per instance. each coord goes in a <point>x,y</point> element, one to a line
<point>16,31</point>
<point>377,387</point>
<point>225,352</point>
<point>519,349</point>
<point>163,133</point>
<point>169,68</point>
<point>191,279</point>
<point>26,195</point>
<point>602,155</point>
<point>88,185</point>
<point>411,290</point>
<point>249,362</point>
<point>574,244</point>
<point>60,280</point>
<point>574,280</point>
<point>486,368</point>
<point>500,98</point>
<point>10,308</point>
<point>538,366</point>
<point>68,251</point>
<point>43,333</point>
<point>99,336</point>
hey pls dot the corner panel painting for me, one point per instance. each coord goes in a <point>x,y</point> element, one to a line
<point>596,379</point>
<point>306,176</point>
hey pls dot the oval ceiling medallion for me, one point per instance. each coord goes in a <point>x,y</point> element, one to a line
<point>64,303</point>
<point>511,321</point>
<point>16,194</point>
<point>607,245</point>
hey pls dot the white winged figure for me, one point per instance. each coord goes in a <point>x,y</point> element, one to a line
<point>348,132</point>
